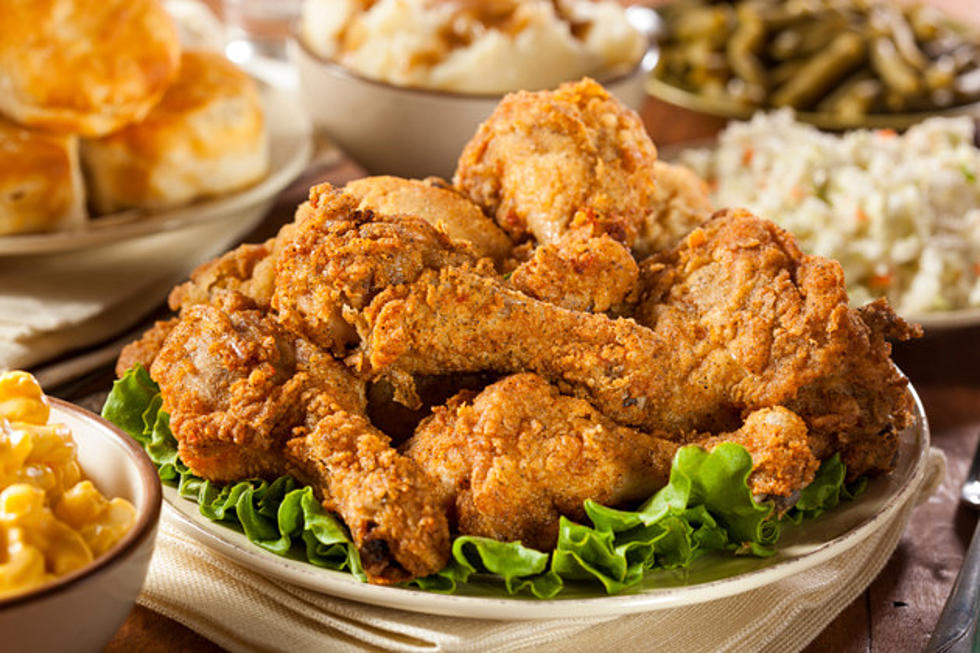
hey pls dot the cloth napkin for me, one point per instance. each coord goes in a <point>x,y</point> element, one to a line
<point>244,611</point>
<point>51,304</point>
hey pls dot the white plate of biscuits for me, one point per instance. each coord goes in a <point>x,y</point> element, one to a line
<point>127,134</point>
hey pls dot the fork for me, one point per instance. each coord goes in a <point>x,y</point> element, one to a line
<point>956,629</point>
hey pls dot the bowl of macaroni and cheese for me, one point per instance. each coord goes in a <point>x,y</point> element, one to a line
<point>79,507</point>
<point>401,85</point>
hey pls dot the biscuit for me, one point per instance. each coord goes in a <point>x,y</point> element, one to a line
<point>40,181</point>
<point>205,137</point>
<point>84,66</point>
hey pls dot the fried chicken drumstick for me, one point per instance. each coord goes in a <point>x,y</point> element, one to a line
<point>248,399</point>
<point>519,455</point>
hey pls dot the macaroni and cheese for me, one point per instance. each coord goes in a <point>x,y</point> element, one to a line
<point>51,520</point>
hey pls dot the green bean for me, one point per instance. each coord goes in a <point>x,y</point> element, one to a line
<point>897,74</point>
<point>703,22</point>
<point>903,37</point>
<point>940,74</point>
<point>853,98</point>
<point>845,53</point>
<point>745,43</point>
<point>785,71</point>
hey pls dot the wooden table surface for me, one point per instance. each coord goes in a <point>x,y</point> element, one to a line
<point>899,609</point>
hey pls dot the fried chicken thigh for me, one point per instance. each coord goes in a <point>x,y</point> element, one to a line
<point>519,455</point>
<point>750,313</point>
<point>248,399</point>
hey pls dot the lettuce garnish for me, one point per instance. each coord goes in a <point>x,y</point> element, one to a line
<point>705,507</point>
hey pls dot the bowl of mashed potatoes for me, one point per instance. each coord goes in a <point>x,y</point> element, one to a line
<point>79,507</point>
<point>401,85</point>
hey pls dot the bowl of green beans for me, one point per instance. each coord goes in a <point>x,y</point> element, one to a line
<point>839,64</point>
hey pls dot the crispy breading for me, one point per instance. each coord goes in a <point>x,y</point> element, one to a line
<point>249,399</point>
<point>680,203</point>
<point>437,203</point>
<point>544,156</point>
<point>144,350</point>
<point>749,312</point>
<point>518,456</point>
<point>581,273</point>
<point>339,256</point>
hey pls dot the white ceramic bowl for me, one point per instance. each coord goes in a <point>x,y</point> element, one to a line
<point>409,132</point>
<point>81,611</point>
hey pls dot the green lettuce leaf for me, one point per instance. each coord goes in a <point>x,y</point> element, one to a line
<point>706,506</point>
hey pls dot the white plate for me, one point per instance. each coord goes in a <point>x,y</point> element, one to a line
<point>943,320</point>
<point>709,578</point>
<point>290,148</point>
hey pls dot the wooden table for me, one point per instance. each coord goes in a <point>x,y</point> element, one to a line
<point>898,611</point>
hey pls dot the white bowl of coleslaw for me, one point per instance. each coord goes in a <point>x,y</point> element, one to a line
<point>83,609</point>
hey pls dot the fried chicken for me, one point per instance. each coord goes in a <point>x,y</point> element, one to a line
<point>396,288</point>
<point>144,350</point>
<point>736,319</point>
<point>437,203</point>
<point>519,455</point>
<point>248,399</point>
<point>680,203</point>
<point>247,269</point>
<point>340,256</point>
<point>752,315</point>
<point>581,273</point>
<point>542,157</point>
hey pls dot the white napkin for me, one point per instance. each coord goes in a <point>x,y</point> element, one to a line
<point>54,303</point>
<point>244,611</point>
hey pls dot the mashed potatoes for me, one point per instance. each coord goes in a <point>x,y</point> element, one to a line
<point>901,212</point>
<point>474,46</point>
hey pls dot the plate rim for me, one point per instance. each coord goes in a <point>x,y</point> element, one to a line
<point>343,585</point>
<point>293,134</point>
<point>660,89</point>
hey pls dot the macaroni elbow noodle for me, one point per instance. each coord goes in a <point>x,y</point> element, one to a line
<point>51,520</point>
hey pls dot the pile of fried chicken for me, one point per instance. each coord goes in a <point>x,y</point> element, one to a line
<point>481,357</point>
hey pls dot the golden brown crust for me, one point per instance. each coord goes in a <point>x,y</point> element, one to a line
<point>40,181</point>
<point>542,157</point>
<point>518,456</point>
<point>580,273</point>
<point>779,329</point>
<point>248,399</point>
<point>332,263</point>
<point>205,137</point>
<point>680,203</point>
<point>438,204</point>
<point>85,66</point>
<point>144,351</point>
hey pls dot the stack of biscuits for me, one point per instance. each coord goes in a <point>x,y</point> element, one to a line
<point>101,111</point>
